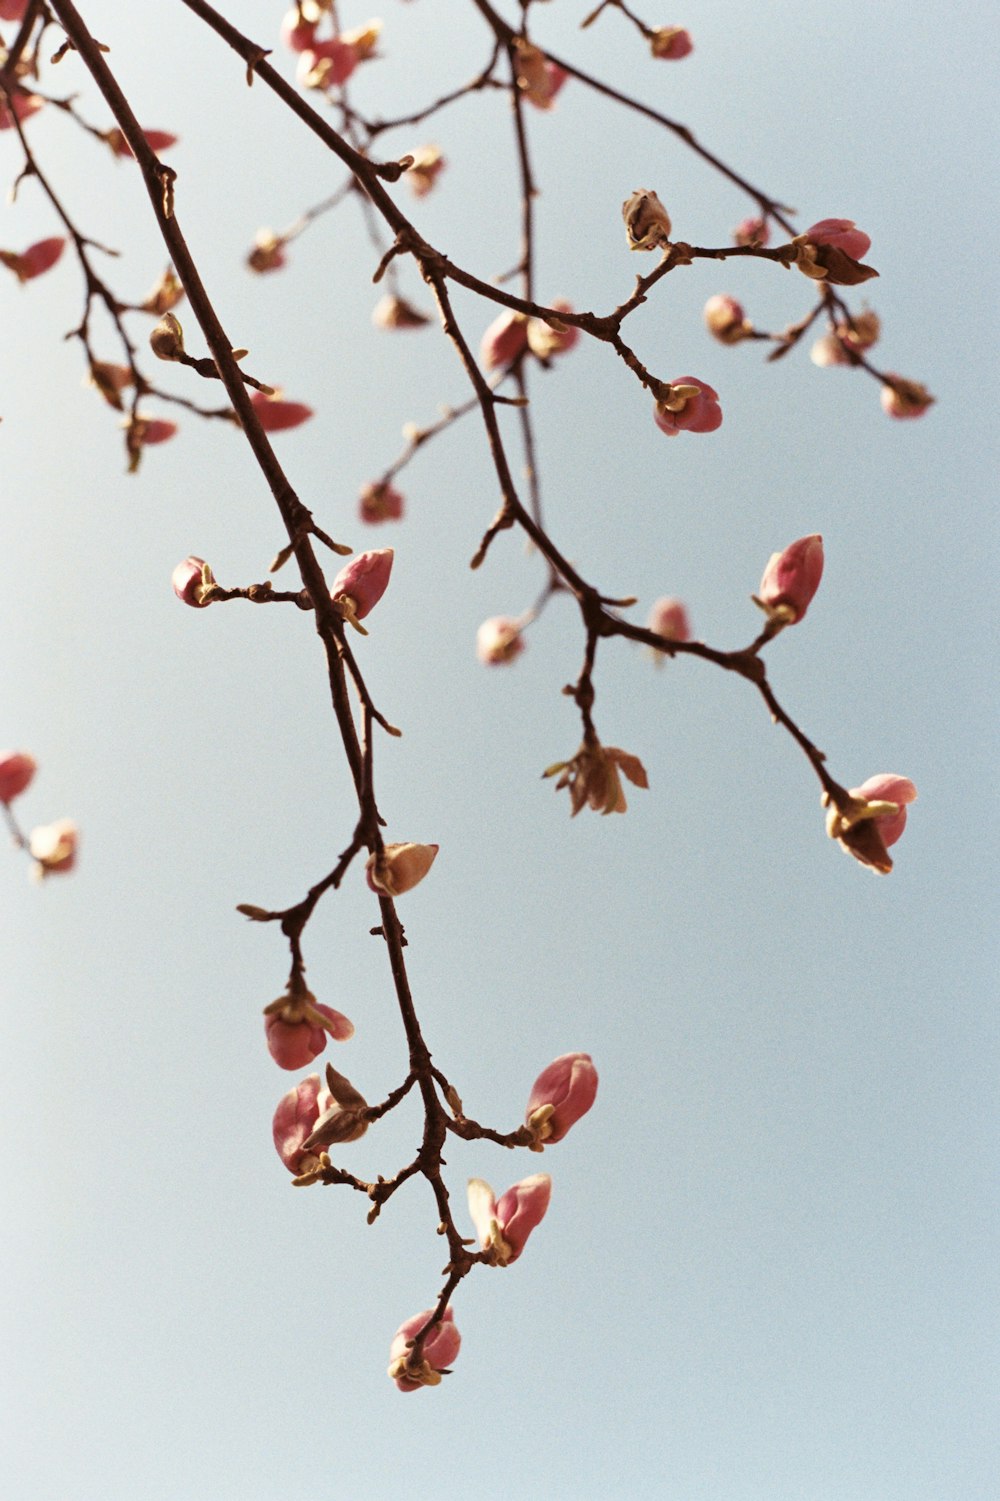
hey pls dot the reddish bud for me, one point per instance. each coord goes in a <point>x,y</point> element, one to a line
<point>831,251</point>
<point>690,405</point>
<point>538,79</point>
<point>438,1351</point>
<point>146,430</point>
<point>361,583</point>
<point>872,820</point>
<point>326,65</point>
<point>275,414</point>
<point>561,1094</point>
<point>726,320</point>
<point>295,1119</point>
<point>380,501</point>
<point>504,340</point>
<point>268,253</point>
<point>499,640</point>
<point>400,867</point>
<point>53,847</point>
<point>791,579</point>
<point>841,233</point>
<point>297,33</point>
<point>297,1026</point>
<point>192,580</point>
<point>36,260</point>
<point>20,106</point>
<point>752,231</point>
<point>12,10</point>
<point>424,170</point>
<point>671,43</point>
<point>904,398</point>
<point>17,768</point>
<point>548,339</point>
<point>156,140</point>
<point>669,619</point>
<point>503,1227</point>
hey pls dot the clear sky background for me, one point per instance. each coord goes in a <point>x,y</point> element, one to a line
<point>769,1268</point>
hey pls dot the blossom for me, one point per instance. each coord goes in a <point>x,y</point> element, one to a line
<point>504,340</point>
<point>399,867</point>
<point>36,260</point>
<point>275,414</point>
<point>503,1227</point>
<point>439,1351</point>
<point>53,847</point>
<point>647,223</point>
<point>829,351</point>
<point>294,1120</point>
<point>395,312</point>
<point>423,171</point>
<point>791,579</point>
<point>268,253</point>
<point>689,405</point>
<point>296,1027</point>
<point>538,79</point>
<point>725,319</point>
<point>499,640</point>
<point>380,501</point>
<point>752,231</point>
<point>546,339</point>
<point>17,768</point>
<point>669,619</point>
<point>193,580</point>
<point>670,42</point>
<point>156,140</point>
<point>593,779</point>
<point>327,64</point>
<point>831,251</point>
<point>297,33</point>
<point>20,106</point>
<point>361,583</point>
<point>562,1093</point>
<point>904,398</point>
<point>873,818</point>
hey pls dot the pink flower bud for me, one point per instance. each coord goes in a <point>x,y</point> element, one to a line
<point>296,1028</point>
<point>841,233</point>
<point>294,1120</point>
<point>560,1095</point>
<point>53,847</point>
<point>831,251</point>
<point>275,414</point>
<point>12,10</point>
<point>828,351</point>
<point>327,64</point>
<point>20,107</point>
<point>296,33</point>
<point>361,583</point>
<point>34,261</point>
<point>791,579</point>
<point>438,1352</point>
<point>499,640</point>
<point>548,339</point>
<point>423,173</point>
<point>146,430</point>
<point>671,42</point>
<point>538,79</point>
<point>504,340</point>
<point>872,820</point>
<point>669,618</point>
<point>400,867</point>
<point>690,406</point>
<point>380,502</point>
<point>156,140</point>
<point>268,253</point>
<point>192,580</point>
<point>503,1228</point>
<point>904,398</point>
<point>17,768</point>
<point>752,231</point>
<point>726,320</point>
<point>396,313</point>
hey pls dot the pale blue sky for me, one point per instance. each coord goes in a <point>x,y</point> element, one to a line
<point>768,1271</point>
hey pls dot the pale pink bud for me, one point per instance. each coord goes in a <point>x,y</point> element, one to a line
<point>20,107</point>
<point>873,818</point>
<point>831,251</point>
<point>396,313</point>
<point>752,231</point>
<point>400,867</point>
<point>791,579</point>
<point>548,339</point>
<point>539,79</point>
<point>828,351</point>
<point>841,233</point>
<point>156,140</point>
<point>690,406</point>
<point>424,170</point>
<point>327,64</point>
<point>671,42</point>
<point>380,501</point>
<point>361,583</point>
<point>562,1093</point>
<point>904,398</point>
<point>861,331</point>
<point>669,618</point>
<point>296,1028</point>
<point>275,414</point>
<point>725,319</point>
<point>647,223</point>
<point>36,260</point>
<point>192,580</point>
<point>503,1227</point>
<point>499,640</point>
<point>438,1352</point>
<point>297,33</point>
<point>504,340</point>
<point>17,768</point>
<point>146,430</point>
<point>53,847</point>
<point>294,1120</point>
